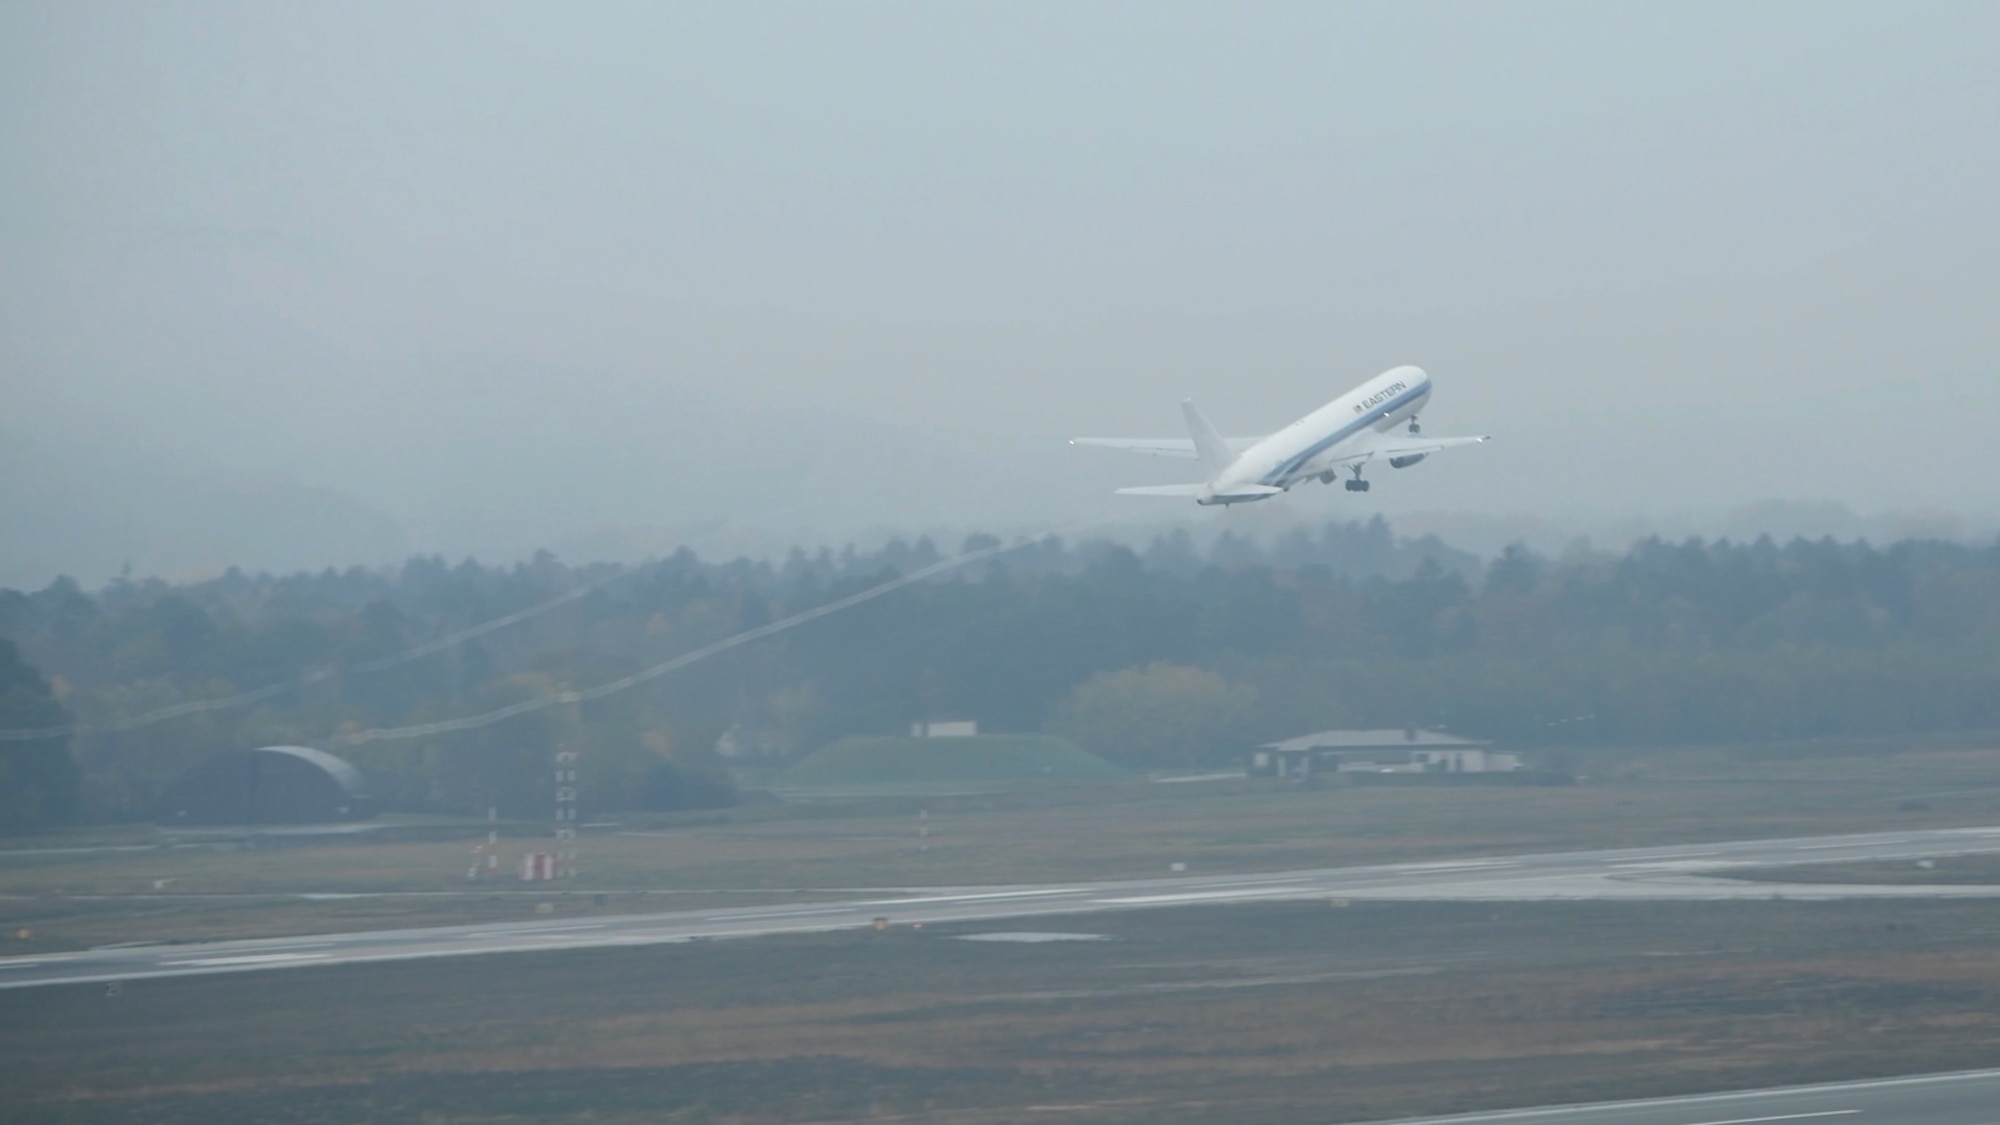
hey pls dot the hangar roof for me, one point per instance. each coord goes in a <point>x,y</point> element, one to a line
<point>339,769</point>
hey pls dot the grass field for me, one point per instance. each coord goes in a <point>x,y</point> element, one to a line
<point>1265,1014</point>
<point>1115,830</point>
<point>945,765</point>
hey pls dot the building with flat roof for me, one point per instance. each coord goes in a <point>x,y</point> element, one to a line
<point>1389,750</point>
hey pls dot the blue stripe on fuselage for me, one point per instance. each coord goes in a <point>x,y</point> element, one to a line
<point>1299,460</point>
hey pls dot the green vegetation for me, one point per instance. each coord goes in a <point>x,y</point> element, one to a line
<point>1153,658</point>
<point>876,765</point>
<point>1162,714</point>
<point>38,779</point>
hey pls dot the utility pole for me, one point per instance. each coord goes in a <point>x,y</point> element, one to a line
<point>565,857</point>
<point>490,851</point>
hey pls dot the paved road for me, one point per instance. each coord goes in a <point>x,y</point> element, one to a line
<point>1683,872</point>
<point>1970,1098</point>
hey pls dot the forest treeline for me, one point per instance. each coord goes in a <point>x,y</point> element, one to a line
<point>1169,655</point>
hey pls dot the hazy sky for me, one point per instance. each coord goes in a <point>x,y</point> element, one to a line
<point>536,262</point>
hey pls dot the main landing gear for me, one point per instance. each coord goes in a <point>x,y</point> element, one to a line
<point>1414,428</point>
<point>1357,484</point>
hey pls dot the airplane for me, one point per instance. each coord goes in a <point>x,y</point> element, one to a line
<point>1347,433</point>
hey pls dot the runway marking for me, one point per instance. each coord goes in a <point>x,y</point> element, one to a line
<point>535,932</point>
<point>1659,864</point>
<point>1829,847</point>
<point>973,897</point>
<point>1779,1117</point>
<point>253,959</point>
<point>1407,868</point>
<point>758,916</point>
<point>1860,1084</point>
<point>1209,896</point>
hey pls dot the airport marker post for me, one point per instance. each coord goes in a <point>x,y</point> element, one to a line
<point>565,858</point>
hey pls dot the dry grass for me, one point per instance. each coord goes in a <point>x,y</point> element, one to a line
<point>1276,1013</point>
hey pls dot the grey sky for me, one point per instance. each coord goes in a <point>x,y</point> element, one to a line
<point>524,265</point>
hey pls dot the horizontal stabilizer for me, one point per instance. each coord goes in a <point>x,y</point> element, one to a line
<point>1204,493</point>
<point>1161,447</point>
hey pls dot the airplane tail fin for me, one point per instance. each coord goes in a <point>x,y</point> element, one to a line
<point>1216,455</point>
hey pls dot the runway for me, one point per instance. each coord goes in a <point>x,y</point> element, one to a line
<point>1968,1098</point>
<point>1661,873</point>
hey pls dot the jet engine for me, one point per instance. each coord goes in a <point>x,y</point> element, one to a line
<point>1406,462</point>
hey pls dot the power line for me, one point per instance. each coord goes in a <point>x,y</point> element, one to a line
<point>624,683</point>
<point>321,675</point>
<point>471,722</point>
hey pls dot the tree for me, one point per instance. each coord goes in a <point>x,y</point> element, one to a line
<point>1159,715</point>
<point>666,787</point>
<point>38,778</point>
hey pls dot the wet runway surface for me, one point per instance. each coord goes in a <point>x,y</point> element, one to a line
<point>1970,1098</point>
<point>1686,872</point>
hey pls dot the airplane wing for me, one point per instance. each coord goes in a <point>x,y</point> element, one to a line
<point>1161,447</point>
<point>1414,445</point>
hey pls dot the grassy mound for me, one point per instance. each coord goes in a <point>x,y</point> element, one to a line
<point>988,761</point>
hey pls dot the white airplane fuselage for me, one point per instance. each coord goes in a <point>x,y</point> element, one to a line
<point>1315,444</point>
<point>1375,421</point>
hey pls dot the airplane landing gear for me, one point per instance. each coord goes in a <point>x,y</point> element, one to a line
<point>1357,484</point>
<point>1414,428</point>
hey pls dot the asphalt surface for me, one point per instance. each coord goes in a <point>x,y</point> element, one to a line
<point>1681,872</point>
<point>1969,1098</point>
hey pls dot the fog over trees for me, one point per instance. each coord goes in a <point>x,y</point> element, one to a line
<point>289,285</point>
<point>1165,656</point>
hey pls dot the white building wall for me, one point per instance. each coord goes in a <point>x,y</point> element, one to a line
<point>955,728</point>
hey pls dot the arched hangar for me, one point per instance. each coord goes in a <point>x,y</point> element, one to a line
<point>268,785</point>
